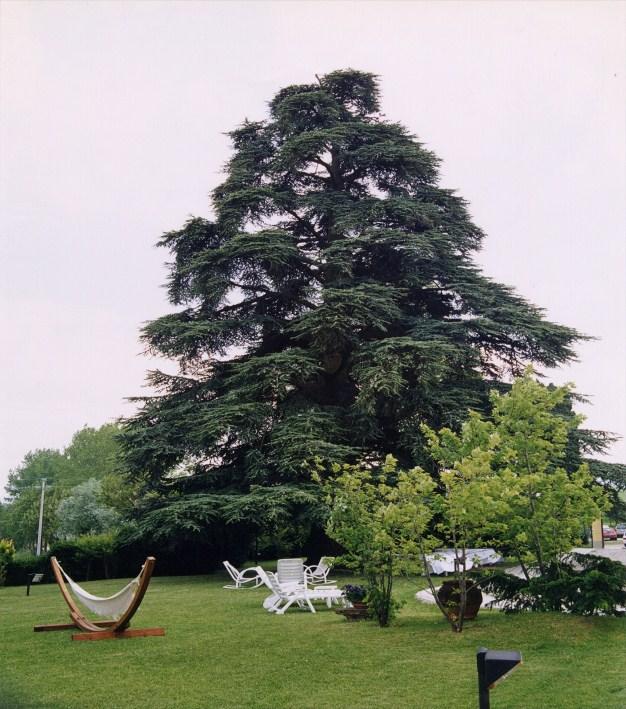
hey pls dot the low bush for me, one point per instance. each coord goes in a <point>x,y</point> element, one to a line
<point>582,584</point>
<point>90,556</point>
<point>101,556</point>
<point>25,563</point>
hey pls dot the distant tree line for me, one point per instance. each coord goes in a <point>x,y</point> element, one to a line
<point>87,490</point>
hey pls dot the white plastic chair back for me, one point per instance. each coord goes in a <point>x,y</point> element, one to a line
<point>290,571</point>
<point>325,564</point>
<point>319,573</point>
<point>234,574</point>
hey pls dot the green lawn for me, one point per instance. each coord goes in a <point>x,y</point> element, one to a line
<point>221,649</point>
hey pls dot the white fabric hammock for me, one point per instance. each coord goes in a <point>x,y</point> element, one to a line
<point>113,606</point>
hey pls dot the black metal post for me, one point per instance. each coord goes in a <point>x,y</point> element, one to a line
<point>483,688</point>
<point>30,580</point>
<point>493,666</point>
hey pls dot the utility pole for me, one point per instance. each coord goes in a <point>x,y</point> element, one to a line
<point>39,532</point>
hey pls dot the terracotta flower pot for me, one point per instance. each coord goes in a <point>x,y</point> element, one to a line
<point>450,595</point>
<point>358,611</point>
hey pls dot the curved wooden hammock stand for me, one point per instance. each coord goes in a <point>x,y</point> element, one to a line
<point>103,629</point>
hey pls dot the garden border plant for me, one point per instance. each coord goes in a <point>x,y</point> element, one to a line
<point>7,552</point>
<point>582,584</point>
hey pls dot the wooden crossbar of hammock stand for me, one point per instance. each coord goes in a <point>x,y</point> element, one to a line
<point>103,629</point>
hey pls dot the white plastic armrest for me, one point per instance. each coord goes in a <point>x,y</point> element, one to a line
<point>245,571</point>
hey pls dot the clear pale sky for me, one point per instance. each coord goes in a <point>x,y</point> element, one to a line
<point>112,131</point>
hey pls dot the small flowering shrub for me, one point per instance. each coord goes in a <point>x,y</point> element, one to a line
<point>7,552</point>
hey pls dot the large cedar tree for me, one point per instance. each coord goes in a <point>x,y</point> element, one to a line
<point>330,307</point>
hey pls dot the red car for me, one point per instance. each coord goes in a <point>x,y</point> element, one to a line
<point>609,533</point>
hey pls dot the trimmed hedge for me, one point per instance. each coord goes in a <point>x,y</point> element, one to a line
<point>93,557</point>
<point>23,564</point>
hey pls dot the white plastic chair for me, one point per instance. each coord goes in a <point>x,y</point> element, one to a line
<point>318,573</point>
<point>283,594</point>
<point>242,579</point>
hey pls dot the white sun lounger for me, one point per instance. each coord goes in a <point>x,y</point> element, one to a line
<point>286,594</point>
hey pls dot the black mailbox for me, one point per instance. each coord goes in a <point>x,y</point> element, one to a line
<point>493,666</point>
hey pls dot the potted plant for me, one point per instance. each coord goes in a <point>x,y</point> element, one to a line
<point>356,596</point>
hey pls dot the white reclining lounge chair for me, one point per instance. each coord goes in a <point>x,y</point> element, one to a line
<point>286,594</point>
<point>242,578</point>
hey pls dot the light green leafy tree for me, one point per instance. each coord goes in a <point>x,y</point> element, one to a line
<point>547,509</point>
<point>380,517</point>
<point>469,500</point>
<point>92,453</point>
<point>43,463</point>
<point>499,482</point>
<point>504,482</point>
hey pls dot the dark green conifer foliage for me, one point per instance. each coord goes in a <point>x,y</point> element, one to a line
<point>330,308</point>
